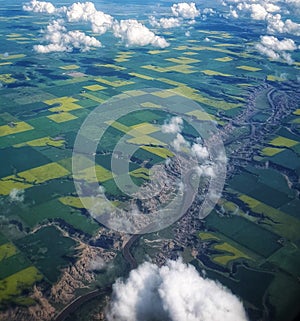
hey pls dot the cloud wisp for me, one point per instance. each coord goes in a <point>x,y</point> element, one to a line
<point>173,292</point>
<point>16,195</point>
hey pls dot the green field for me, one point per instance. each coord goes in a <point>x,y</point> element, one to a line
<point>245,233</point>
<point>49,259</point>
<point>212,76</point>
<point>54,210</point>
<point>12,286</point>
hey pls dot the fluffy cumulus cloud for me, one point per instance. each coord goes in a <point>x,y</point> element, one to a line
<point>174,292</point>
<point>59,39</point>
<point>86,11</point>
<point>173,126</point>
<point>165,23</point>
<point>268,11</point>
<point>200,151</point>
<point>276,24</point>
<point>181,12</point>
<point>179,143</point>
<point>206,170</point>
<point>185,10</point>
<point>132,32</point>
<point>135,33</point>
<point>39,6</point>
<point>274,48</point>
<point>258,10</point>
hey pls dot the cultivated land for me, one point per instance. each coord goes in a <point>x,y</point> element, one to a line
<point>251,237</point>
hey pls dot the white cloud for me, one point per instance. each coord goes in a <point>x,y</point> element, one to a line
<point>100,21</point>
<point>200,151</point>
<point>174,292</point>
<point>269,11</point>
<point>270,7</point>
<point>16,195</point>
<point>258,11</point>
<point>275,24</point>
<point>174,126</point>
<point>39,6</point>
<point>208,11</point>
<point>164,23</point>
<point>205,170</point>
<point>185,10</point>
<point>179,143</point>
<point>134,33</point>
<point>51,47</point>
<point>206,39</point>
<point>59,39</point>
<point>276,49</point>
<point>234,13</point>
<point>181,11</point>
<point>80,11</point>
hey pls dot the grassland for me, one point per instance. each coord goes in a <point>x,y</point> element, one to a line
<point>248,68</point>
<point>94,173</point>
<point>161,152</point>
<point>144,129</point>
<point>66,104</point>
<point>245,233</point>
<point>62,117</point>
<point>271,151</point>
<point>284,224</point>
<point>13,286</point>
<point>7,79</point>
<point>18,127</point>
<point>140,173</point>
<point>283,142</point>
<point>81,203</point>
<point>145,140</point>
<point>43,173</point>
<point>233,254</point>
<point>94,87</point>
<point>6,186</point>
<point>208,236</point>
<point>13,264</point>
<point>215,73</point>
<point>55,210</point>
<point>224,59</point>
<point>47,258</point>
<point>7,250</point>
